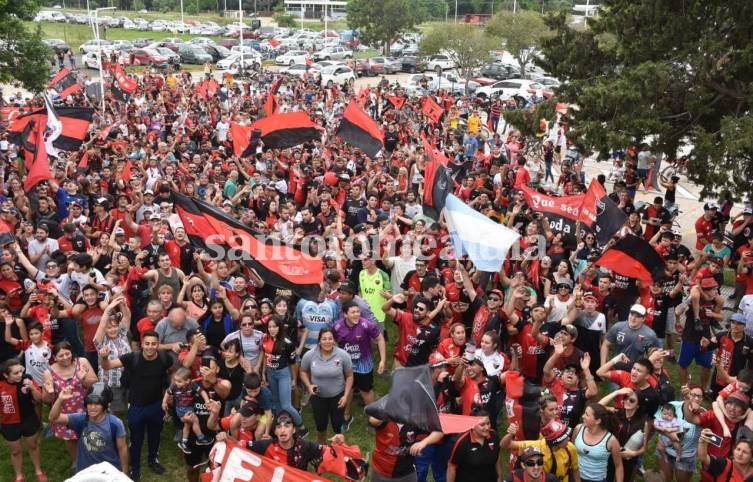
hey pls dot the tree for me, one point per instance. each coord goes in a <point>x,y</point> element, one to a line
<point>24,58</point>
<point>379,21</point>
<point>467,45</point>
<point>522,32</point>
<point>673,74</point>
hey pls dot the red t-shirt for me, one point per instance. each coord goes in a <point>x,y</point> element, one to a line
<point>703,230</point>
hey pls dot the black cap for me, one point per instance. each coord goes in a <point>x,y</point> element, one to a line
<point>347,287</point>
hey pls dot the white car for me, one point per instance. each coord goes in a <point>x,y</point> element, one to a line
<point>129,24</point>
<point>336,53</point>
<point>512,88</point>
<point>90,60</point>
<point>337,74</point>
<point>201,41</point>
<point>415,81</point>
<point>293,57</point>
<point>141,24</point>
<point>454,83</point>
<point>159,26</point>
<point>440,62</point>
<point>300,70</point>
<point>93,46</point>
<point>232,62</point>
<point>247,50</point>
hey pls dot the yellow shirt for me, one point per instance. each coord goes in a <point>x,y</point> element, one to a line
<point>474,124</point>
<point>171,81</point>
<point>566,457</point>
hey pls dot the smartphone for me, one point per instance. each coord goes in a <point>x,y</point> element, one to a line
<point>206,362</point>
<point>715,440</point>
<point>672,353</point>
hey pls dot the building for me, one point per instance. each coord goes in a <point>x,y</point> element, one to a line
<point>315,9</point>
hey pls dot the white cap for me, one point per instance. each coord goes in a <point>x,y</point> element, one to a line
<point>638,308</point>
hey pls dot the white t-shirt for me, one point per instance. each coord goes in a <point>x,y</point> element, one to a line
<point>222,130</point>
<point>746,307</point>
<point>558,308</point>
<point>36,248</point>
<point>37,361</point>
<point>400,267</point>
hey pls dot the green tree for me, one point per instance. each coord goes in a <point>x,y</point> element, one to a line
<point>522,33</point>
<point>24,59</point>
<point>379,21</point>
<point>673,74</point>
<point>467,45</point>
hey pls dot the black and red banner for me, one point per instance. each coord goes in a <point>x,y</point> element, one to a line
<point>398,102</point>
<point>279,265</point>
<point>633,257</point>
<point>35,155</point>
<point>601,214</point>
<point>75,120</point>
<point>437,181</point>
<point>64,83</point>
<point>431,109</point>
<point>125,83</point>
<point>360,130</point>
<point>270,104</point>
<point>278,131</point>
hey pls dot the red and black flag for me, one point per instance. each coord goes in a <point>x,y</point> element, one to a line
<point>360,130</point>
<point>633,257</point>
<point>398,102</point>
<point>125,83</point>
<point>217,233</point>
<point>64,83</point>
<point>75,122</point>
<point>35,155</point>
<point>600,213</point>
<point>431,109</point>
<point>437,182</point>
<point>279,131</point>
<point>270,104</point>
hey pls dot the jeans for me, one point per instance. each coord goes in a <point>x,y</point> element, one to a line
<point>142,419</point>
<point>280,381</point>
<point>70,332</point>
<point>93,358</point>
<point>436,457</point>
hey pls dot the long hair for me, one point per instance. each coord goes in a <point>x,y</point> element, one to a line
<point>606,420</point>
<point>282,333</point>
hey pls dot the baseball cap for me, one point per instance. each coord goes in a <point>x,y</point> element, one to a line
<point>570,330</point>
<point>437,360</point>
<point>739,398</point>
<point>347,287</point>
<point>710,205</point>
<point>251,407</point>
<point>589,295</point>
<point>565,282</point>
<point>283,417</point>
<point>154,216</point>
<point>737,318</point>
<point>148,191</point>
<point>531,452</point>
<point>119,231</point>
<point>638,308</point>
<point>555,432</point>
<point>748,211</point>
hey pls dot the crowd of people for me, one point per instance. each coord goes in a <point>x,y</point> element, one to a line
<point>116,324</point>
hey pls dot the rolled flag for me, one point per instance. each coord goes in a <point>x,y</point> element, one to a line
<point>633,257</point>
<point>600,213</point>
<point>64,83</point>
<point>437,182</point>
<point>360,130</point>
<point>54,127</point>
<point>35,156</point>
<point>485,242</point>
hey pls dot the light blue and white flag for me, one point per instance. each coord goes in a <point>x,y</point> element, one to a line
<point>485,242</point>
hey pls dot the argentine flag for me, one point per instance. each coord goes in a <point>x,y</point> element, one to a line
<point>485,242</point>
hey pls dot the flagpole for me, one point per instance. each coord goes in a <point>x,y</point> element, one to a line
<point>240,34</point>
<point>99,46</point>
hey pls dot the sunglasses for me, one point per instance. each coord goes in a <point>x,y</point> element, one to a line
<point>418,308</point>
<point>247,324</point>
<point>631,400</point>
<point>534,463</point>
<point>284,424</point>
<point>494,298</point>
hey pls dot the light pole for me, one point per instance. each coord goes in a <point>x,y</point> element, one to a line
<point>99,56</point>
<point>181,14</point>
<point>240,34</point>
<point>456,11</point>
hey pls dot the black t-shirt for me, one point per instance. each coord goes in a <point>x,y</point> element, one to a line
<point>475,462</point>
<point>573,405</point>
<point>145,379</point>
<point>424,342</point>
<point>302,454</point>
<point>517,475</point>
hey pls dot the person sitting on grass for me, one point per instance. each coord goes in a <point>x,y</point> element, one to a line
<point>183,393</point>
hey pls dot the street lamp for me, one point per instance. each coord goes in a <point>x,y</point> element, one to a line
<point>99,55</point>
<point>240,35</point>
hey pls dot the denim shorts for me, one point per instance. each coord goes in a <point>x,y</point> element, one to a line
<point>687,464</point>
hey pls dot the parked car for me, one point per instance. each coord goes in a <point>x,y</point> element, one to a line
<point>325,42</point>
<point>162,43</point>
<point>391,66</point>
<point>368,67</point>
<point>57,45</point>
<point>140,43</point>
<point>513,88</point>
<point>172,57</point>
<point>128,24</point>
<point>231,63</point>
<point>93,46</point>
<point>300,70</point>
<point>336,53</point>
<point>159,26</point>
<point>90,60</point>
<point>439,62</point>
<point>549,82</point>
<point>412,64</point>
<point>499,71</point>
<point>201,41</point>
<point>148,57</point>
<point>193,54</point>
<point>452,82</point>
<point>141,24</point>
<point>418,83</point>
<point>217,52</point>
<point>292,57</point>
<point>337,74</point>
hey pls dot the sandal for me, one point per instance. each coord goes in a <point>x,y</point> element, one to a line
<point>21,479</point>
<point>41,477</point>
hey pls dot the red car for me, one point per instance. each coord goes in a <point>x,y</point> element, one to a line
<point>368,67</point>
<point>147,57</point>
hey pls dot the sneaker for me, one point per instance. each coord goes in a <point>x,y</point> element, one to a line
<point>157,467</point>
<point>346,425</point>
<point>182,445</point>
<point>303,431</point>
<point>135,476</point>
<point>205,441</point>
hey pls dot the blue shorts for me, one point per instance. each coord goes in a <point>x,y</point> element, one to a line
<point>642,173</point>
<point>692,351</point>
<point>182,411</point>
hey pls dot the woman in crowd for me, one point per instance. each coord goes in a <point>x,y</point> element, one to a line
<point>113,333</point>
<point>68,371</point>
<point>219,321</point>
<point>633,428</point>
<point>327,374</point>
<point>279,356</point>
<point>196,305</point>
<point>596,446</point>
<point>233,367</point>
<point>249,337</point>
<point>739,467</point>
<point>18,413</point>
